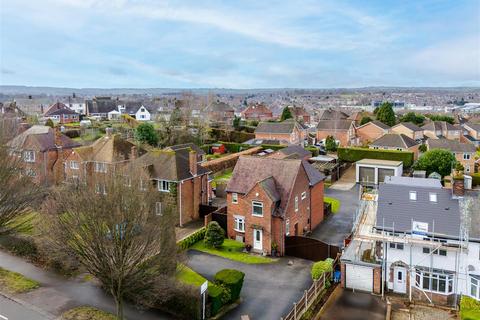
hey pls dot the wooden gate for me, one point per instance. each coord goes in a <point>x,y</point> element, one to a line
<point>310,249</point>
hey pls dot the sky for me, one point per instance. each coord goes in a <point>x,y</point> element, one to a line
<point>239,44</point>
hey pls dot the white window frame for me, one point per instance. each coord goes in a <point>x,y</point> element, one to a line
<point>99,187</point>
<point>412,195</point>
<point>163,185</point>
<point>296,203</point>
<point>158,209</point>
<point>257,204</point>
<point>101,167</point>
<point>29,156</point>
<point>431,278</point>
<point>30,172</point>
<point>74,165</point>
<point>234,198</point>
<point>287,227</point>
<point>474,283</point>
<point>239,223</point>
<point>466,156</point>
<point>304,195</point>
<point>396,246</point>
<point>127,181</point>
<point>432,196</point>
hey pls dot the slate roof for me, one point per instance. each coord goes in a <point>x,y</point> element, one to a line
<point>191,146</point>
<point>42,138</point>
<point>474,126</point>
<point>108,149</point>
<point>257,108</point>
<point>331,114</point>
<point>101,105</point>
<point>168,165</point>
<point>396,210</point>
<point>394,140</point>
<point>61,111</point>
<point>337,125</point>
<point>413,127</point>
<point>132,107</point>
<point>440,126</point>
<point>218,106</point>
<point>379,124</point>
<point>251,170</point>
<point>285,127</point>
<point>295,150</point>
<point>451,145</point>
<point>54,108</point>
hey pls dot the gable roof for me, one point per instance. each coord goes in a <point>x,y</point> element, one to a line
<point>110,148</point>
<point>473,126</point>
<point>131,107</point>
<point>257,108</point>
<point>285,127</point>
<point>394,140</point>
<point>55,107</point>
<point>336,125</point>
<point>191,146</point>
<point>101,105</point>
<point>440,126</point>
<point>60,112</point>
<point>379,124</point>
<point>451,145</point>
<point>295,150</point>
<point>331,114</point>
<point>42,138</point>
<point>218,106</point>
<point>411,126</point>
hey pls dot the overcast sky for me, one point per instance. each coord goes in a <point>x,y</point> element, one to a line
<point>239,44</point>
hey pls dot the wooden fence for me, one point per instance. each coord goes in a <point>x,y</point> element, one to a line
<point>309,297</point>
<point>309,248</point>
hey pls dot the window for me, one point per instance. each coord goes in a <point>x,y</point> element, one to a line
<point>433,197</point>
<point>287,227</point>
<point>467,168</point>
<point>30,173</point>
<point>304,195</point>
<point>127,181</point>
<point>474,288</point>
<point>100,188</point>
<point>398,246</point>
<point>74,165</point>
<point>296,204</point>
<point>29,156</point>
<point>257,208</point>
<point>158,209</point>
<point>440,252</point>
<point>466,156</point>
<point>100,167</point>
<point>435,282</point>
<point>235,198</point>
<point>163,186</point>
<point>239,223</point>
<point>143,185</point>
<point>413,195</point>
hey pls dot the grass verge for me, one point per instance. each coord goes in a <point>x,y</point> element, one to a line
<point>232,250</point>
<point>14,282</point>
<point>87,313</point>
<point>188,276</point>
<point>334,202</point>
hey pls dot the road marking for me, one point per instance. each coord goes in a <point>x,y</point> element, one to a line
<point>3,317</point>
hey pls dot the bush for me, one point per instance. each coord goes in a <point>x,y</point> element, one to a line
<point>214,235</point>
<point>72,133</point>
<point>233,147</point>
<point>356,154</point>
<point>183,301</point>
<point>313,150</point>
<point>475,178</point>
<point>469,309</point>
<point>218,297</point>
<point>232,280</point>
<point>20,245</point>
<point>192,239</point>
<point>321,267</point>
<point>274,147</point>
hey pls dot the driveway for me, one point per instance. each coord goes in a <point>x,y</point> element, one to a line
<point>349,305</point>
<point>347,180</point>
<point>338,226</point>
<point>269,290</point>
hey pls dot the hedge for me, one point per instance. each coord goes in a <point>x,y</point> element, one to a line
<point>192,239</point>
<point>233,147</point>
<point>356,154</point>
<point>321,267</point>
<point>217,297</point>
<point>469,308</point>
<point>232,280</point>
<point>475,178</point>
<point>274,147</point>
<point>314,150</point>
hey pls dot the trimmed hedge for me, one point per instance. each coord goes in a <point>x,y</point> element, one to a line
<point>469,308</point>
<point>274,147</point>
<point>475,178</point>
<point>321,267</point>
<point>314,150</point>
<point>233,147</point>
<point>356,154</point>
<point>232,280</point>
<point>192,239</point>
<point>217,296</point>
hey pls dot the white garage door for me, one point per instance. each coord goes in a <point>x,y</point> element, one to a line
<point>359,278</point>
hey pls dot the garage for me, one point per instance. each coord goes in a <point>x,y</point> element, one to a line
<point>382,173</point>
<point>374,171</point>
<point>359,277</point>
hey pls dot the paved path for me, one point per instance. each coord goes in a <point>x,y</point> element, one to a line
<point>58,294</point>
<point>349,305</point>
<point>269,290</point>
<point>346,181</point>
<point>338,226</point>
<point>11,310</point>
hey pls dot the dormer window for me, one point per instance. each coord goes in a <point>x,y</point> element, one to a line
<point>413,195</point>
<point>433,197</point>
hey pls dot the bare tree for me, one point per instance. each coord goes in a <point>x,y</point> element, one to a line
<point>121,233</point>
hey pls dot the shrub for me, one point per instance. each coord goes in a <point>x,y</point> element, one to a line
<point>469,309</point>
<point>183,301</point>
<point>274,147</point>
<point>234,147</point>
<point>217,296</point>
<point>475,178</point>
<point>192,239</point>
<point>313,150</point>
<point>72,133</point>
<point>356,154</point>
<point>20,245</point>
<point>321,267</point>
<point>214,235</point>
<point>232,280</point>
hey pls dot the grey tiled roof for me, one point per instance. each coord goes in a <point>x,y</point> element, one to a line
<point>295,149</point>
<point>410,126</point>
<point>285,127</point>
<point>451,145</point>
<point>396,211</point>
<point>394,140</point>
<point>337,125</point>
<point>474,126</point>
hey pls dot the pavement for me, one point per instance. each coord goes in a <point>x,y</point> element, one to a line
<point>188,229</point>
<point>12,310</point>
<point>348,305</point>
<point>347,181</point>
<point>269,290</point>
<point>58,294</point>
<point>337,226</point>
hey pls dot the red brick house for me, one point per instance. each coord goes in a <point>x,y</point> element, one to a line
<point>43,151</point>
<point>300,114</point>
<point>371,131</point>
<point>269,199</point>
<point>342,130</point>
<point>288,131</point>
<point>258,112</point>
<point>60,113</point>
<point>179,178</point>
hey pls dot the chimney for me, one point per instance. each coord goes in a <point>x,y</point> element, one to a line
<point>109,131</point>
<point>192,161</point>
<point>57,137</point>
<point>133,153</point>
<point>458,187</point>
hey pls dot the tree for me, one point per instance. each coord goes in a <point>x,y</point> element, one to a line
<point>286,114</point>
<point>214,235</point>
<point>331,144</point>
<point>375,111</point>
<point>422,148</point>
<point>49,123</point>
<point>121,232</point>
<point>236,123</point>
<point>412,117</point>
<point>385,114</point>
<point>146,133</point>
<point>441,117</point>
<point>365,119</point>
<point>436,160</point>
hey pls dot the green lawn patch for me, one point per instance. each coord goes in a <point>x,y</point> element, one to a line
<point>223,178</point>
<point>87,313</point>
<point>334,202</point>
<point>232,250</point>
<point>188,276</point>
<point>14,282</point>
<point>469,309</point>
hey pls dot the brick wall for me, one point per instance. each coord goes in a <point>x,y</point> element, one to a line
<point>341,136</point>
<point>316,196</point>
<point>369,133</point>
<point>377,280</point>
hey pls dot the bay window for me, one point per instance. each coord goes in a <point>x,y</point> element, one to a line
<point>434,281</point>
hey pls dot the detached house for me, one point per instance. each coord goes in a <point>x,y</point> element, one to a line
<point>442,129</point>
<point>138,111</point>
<point>219,112</point>
<point>342,130</point>
<point>101,106</point>
<point>371,131</point>
<point>258,112</point>
<point>472,135</point>
<point>395,141</point>
<point>288,131</point>
<point>60,113</point>
<point>409,129</point>
<point>43,151</point>
<point>464,152</point>
<point>300,114</point>
<point>269,199</point>
<point>179,178</point>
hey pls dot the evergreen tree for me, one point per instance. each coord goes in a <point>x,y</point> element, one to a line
<point>146,133</point>
<point>331,144</point>
<point>365,120</point>
<point>385,114</point>
<point>286,114</point>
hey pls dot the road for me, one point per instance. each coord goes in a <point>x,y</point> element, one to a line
<point>11,310</point>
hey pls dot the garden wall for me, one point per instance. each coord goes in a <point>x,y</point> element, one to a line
<point>228,161</point>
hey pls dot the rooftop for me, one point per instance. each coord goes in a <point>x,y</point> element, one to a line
<point>375,162</point>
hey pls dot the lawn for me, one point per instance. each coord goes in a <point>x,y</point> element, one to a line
<point>14,282</point>
<point>223,178</point>
<point>87,313</point>
<point>232,250</point>
<point>334,202</point>
<point>469,309</point>
<point>188,276</point>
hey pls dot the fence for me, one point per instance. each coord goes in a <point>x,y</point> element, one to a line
<point>309,248</point>
<point>220,216</point>
<point>309,297</point>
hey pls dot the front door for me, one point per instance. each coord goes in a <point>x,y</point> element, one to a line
<point>400,280</point>
<point>257,239</point>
